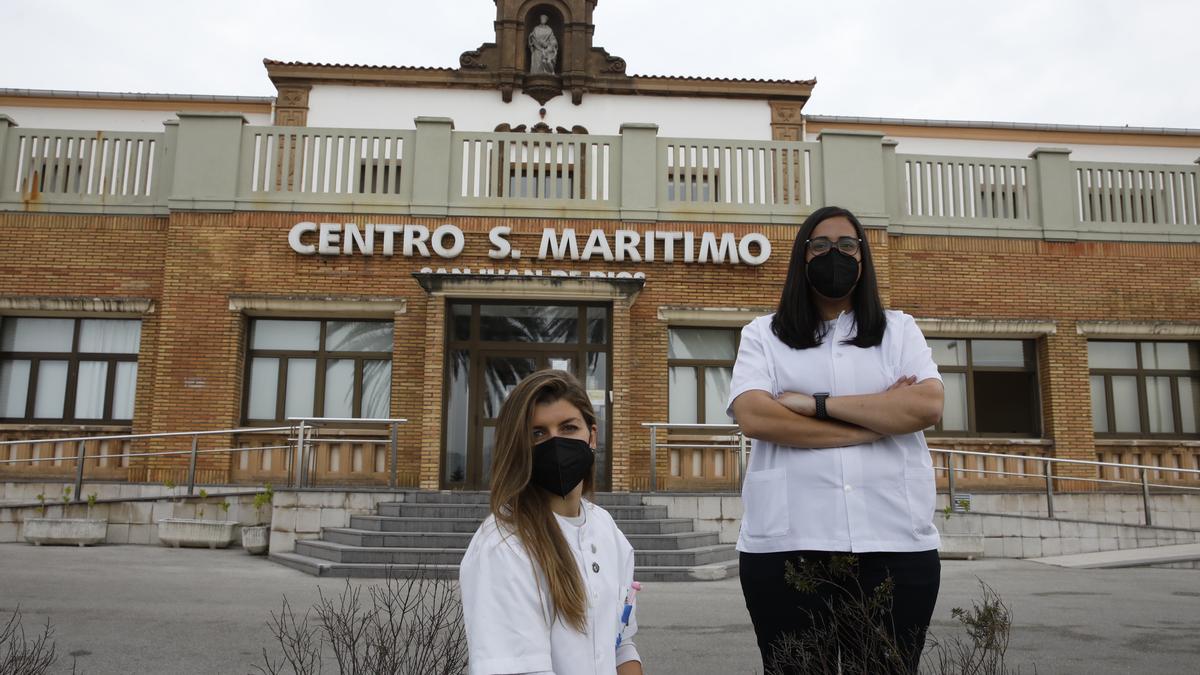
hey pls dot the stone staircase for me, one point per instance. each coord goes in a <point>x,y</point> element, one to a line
<point>429,533</point>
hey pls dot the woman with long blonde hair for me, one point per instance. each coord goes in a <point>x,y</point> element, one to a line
<point>547,581</point>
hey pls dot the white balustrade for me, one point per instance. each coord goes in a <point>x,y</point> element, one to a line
<point>1137,194</point>
<point>506,166</point>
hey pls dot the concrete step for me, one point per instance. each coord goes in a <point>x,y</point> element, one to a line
<point>333,551</point>
<point>409,524</point>
<point>481,511</point>
<point>357,537</point>
<point>319,567</point>
<point>396,524</point>
<point>604,499</point>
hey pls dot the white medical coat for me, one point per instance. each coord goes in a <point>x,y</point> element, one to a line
<point>871,497</point>
<point>511,627</point>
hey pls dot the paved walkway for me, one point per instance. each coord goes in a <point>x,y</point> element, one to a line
<point>143,609</point>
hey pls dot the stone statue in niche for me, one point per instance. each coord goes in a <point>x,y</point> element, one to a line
<point>543,48</point>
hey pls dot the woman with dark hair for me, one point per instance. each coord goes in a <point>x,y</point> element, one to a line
<point>547,581</point>
<point>835,392</point>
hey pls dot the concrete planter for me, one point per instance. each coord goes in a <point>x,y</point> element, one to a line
<point>194,533</point>
<point>66,531</point>
<point>255,539</point>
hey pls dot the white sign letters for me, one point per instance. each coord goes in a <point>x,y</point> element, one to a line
<point>448,241</point>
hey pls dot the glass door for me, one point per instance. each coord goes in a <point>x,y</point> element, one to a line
<point>490,348</point>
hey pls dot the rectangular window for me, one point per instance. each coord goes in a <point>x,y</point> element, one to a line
<point>317,368</point>
<point>699,366</point>
<point>1144,389</point>
<point>68,370</point>
<point>991,388</point>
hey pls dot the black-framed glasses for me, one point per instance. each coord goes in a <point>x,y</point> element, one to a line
<point>823,245</point>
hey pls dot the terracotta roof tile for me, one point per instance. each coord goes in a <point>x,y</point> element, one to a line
<point>726,79</point>
<point>303,64</point>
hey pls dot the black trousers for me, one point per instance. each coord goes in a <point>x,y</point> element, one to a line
<point>777,608</point>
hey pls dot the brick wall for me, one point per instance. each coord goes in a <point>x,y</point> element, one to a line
<point>192,364</point>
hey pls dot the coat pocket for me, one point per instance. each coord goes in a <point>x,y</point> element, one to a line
<point>766,503</point>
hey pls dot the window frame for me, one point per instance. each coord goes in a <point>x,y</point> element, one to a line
<point>1140,374</point>
<point>700,366</point>
<point>1030,349</point>
<point>73,358</point>
<point>321,356</point>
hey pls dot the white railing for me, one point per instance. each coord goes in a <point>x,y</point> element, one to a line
<point>506,166</point>
<point>1136,194</point>
<point>325,165</point>
<point>955,189</point>
<point>83,167</point>
<point>748,176</point>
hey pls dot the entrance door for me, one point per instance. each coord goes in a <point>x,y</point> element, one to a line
<point>490,348</point>
<point>499,374</point>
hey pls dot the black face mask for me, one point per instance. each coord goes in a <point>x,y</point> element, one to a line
<point>559,464</point>
<point>833,275</point>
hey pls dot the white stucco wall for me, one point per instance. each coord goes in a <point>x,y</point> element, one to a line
<point>1138,154</point>
<point>100,118</point>
<point>395,108</point>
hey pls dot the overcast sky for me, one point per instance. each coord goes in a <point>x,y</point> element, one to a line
<point>1112,62</point>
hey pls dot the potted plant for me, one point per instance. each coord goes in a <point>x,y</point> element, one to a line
<point>256,538</point>
<point>68,531</point>
<point>198,532</point>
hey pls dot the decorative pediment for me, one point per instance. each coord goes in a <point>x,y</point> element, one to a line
<point>544,49</point>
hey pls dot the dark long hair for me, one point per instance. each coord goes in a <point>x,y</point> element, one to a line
<point>797,321</point>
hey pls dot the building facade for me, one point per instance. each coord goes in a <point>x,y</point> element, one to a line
<point>390,243</point>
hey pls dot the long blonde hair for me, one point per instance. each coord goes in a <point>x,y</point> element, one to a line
<point>524,507</point>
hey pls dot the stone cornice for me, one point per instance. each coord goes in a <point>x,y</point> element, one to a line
<point>1137,329</point>
<point>714,317</point>
<point>323,306</point>
<point>986,327</point>
<point>33,304</point>
<point>524,287</point>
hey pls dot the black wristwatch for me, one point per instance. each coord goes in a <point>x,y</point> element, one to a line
<point>819,398</point>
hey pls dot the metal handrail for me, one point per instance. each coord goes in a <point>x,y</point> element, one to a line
<point>305,464</point>
<point>81,455</point>
<point>1048,474</point>
<point>950,470</point>
<point>742,446</point>
<point>165,434</point>
<point>301,461</point>
<point>1066,461</point>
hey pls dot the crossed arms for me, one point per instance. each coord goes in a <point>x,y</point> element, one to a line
<point>905,407</point>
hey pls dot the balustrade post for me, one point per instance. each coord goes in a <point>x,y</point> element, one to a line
<point>1146,496</point>
<point>5,123</point>
<point>79,471</point>
<point>741,458</point>
<point>1049,489</point>
<point>298,465</point>
<point>207,158</point>
<point>430,166</point>
<point>950,477</point>
<point>853,167</point>
<point>640,172</point>
<point>1054,191</point>
<point>891,181</point>
<point>165,163</point>
<point>7,164</point>
<point>192,464</point>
